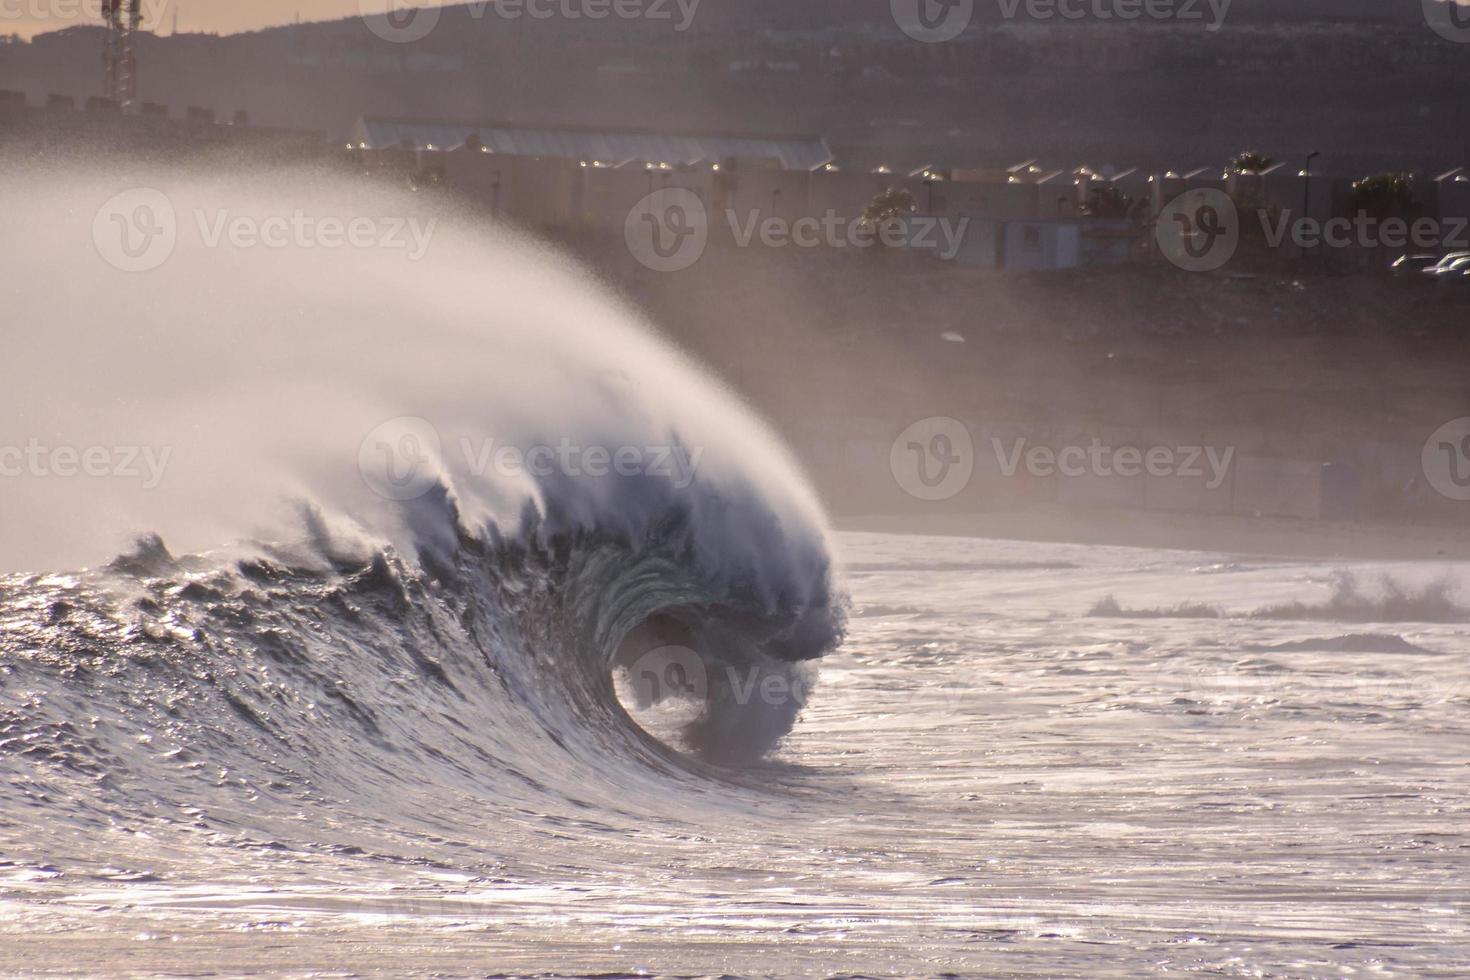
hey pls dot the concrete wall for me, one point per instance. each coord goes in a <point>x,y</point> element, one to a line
<point>770,193</point>
<point>1108,242</point>
<point>1272,487</point>
<point>1375,480</point>
<point>994,200</point>
<point>531,190</point>
<point>1033,245</point>
<point>981,246</point>
<point>1453,197</point>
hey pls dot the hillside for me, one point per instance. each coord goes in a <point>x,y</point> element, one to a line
<point>1154,94</point>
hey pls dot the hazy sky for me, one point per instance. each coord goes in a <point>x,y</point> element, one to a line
<point>30,17</point>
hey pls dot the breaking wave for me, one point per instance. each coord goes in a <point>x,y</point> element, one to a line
<point>1392,602</point>
<point>420,519</point>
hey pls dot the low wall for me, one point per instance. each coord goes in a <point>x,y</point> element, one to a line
<point>1209,472</point>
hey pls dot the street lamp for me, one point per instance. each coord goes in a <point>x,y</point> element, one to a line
<point>1307,186</point>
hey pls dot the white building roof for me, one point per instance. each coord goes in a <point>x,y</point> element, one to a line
<point>608,145</point>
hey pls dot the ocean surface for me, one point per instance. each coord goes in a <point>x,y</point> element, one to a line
<point>475,630</point>
<point>1024,759</point>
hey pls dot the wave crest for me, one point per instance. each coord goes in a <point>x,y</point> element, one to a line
<point>325,632</point>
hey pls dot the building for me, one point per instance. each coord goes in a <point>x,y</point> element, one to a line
<point>610,148</point>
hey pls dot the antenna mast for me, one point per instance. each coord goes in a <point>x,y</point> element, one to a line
<point>119,63</point>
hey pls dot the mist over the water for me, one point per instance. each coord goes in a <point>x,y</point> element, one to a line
<point>263,364</point>
<point>735,488</point>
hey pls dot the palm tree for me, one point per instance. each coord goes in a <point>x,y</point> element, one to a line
<point>1251,162</point>
<point>889,205</point>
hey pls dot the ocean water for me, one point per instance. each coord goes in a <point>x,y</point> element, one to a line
<point>983,779</point>
<point>368,696</point>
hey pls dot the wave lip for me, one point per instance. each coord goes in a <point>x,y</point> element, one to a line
<point>357,380</point>
<point>415,522</point>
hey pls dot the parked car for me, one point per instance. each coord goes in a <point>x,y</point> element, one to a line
<point>1455,271</point>
<point>1452,266</point>
<point>1412,265</point>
